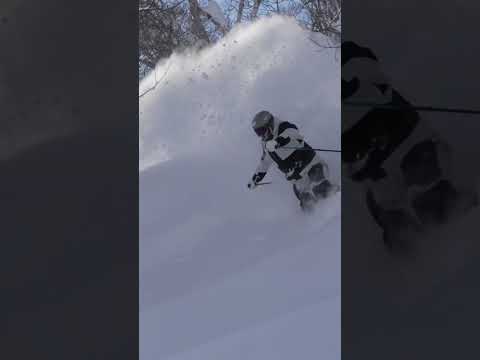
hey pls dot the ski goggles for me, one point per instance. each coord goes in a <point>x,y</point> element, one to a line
<point>261,131</point>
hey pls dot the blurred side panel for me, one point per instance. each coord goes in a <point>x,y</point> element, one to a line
<point>69,179</point>
<point>410,176</point>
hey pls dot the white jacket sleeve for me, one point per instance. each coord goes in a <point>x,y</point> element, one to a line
<point>265,162</point>
<point>370,77</point>
<point>289,137</point>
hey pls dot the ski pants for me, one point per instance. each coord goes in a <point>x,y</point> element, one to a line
<point>313,183</point>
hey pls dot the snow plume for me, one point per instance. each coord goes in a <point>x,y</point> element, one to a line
<point>206,100</point>
<point>226,272</point>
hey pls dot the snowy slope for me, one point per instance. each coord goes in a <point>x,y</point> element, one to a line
<point>228,273</point>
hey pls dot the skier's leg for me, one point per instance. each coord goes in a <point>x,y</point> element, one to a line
<point>435,205</point>
<point>323,189</point>
<point>421,166</point>
<point>321,186</point>
<point>296,191</point>
<point>300,188</point>
<point>426,168</point>
<point>395,224</point>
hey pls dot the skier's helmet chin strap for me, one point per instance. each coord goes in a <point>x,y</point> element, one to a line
<point>268,134</point>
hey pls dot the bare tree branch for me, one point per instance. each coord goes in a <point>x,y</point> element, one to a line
<point>197,27</point>
<point>323,46</point>
<point>172,25</point>
<point>219,26</point>
<point>156,81</point>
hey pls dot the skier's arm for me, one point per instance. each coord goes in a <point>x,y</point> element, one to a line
<point>264,164</point>
<point>289,134</point>
<point>362,76</point>
<point>261,170</point>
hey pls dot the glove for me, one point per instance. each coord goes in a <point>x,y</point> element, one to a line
<point>271,145</point>
<point>256,178</point>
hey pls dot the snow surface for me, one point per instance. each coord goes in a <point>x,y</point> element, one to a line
<point>225,272</point>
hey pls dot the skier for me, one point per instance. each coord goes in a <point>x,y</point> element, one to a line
<point>403,163</point>
<point>283,144</point>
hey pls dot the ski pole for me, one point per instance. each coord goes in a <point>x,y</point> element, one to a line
<point>412,107</point>
<point>295,148</point>
<point>264,183</point>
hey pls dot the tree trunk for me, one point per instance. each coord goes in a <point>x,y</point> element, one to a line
<point>241,6</point>
<point>256,6</point>
<point>197,27</point>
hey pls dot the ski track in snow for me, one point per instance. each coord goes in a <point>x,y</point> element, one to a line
<point>225,272</point>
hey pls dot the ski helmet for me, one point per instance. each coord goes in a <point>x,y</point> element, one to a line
<point>262,122</point>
